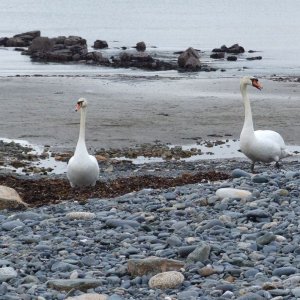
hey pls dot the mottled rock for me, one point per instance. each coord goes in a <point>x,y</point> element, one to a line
<point>189,59</point>
<point>69,284</point>
<point>166,280</point>
<point>152,265</point>
<point>7,273</point>
<point>266,238</point>
<point>80,215</point>
<point>201,253</point>
<point>10,199</point>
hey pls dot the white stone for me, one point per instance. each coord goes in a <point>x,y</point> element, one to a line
<point>7,273</point>
<point>80,215</point>
<point>280,238</point>
<point>166,280</point>
<point>9,198</point>
<point>232,193</point>
<point>89,296</point>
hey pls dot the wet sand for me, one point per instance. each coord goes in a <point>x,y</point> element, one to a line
<point>125,111</point>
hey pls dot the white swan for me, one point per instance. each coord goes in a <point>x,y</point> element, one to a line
<point>83,169</point>
<point>260,145</point>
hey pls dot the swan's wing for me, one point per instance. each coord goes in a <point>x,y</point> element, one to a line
<point>274,138</point>
<point>271,135</point>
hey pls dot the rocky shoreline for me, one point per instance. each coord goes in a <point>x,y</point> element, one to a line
<point>170,230</point>
<point>74,49</point>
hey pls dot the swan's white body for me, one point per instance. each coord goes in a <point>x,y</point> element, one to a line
<point>260,145</point>
<point>83,168</point>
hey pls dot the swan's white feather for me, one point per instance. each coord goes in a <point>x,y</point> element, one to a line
<point>83,168</point>
<point>260,145</point>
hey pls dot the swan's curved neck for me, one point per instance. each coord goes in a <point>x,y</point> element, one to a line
<point>81,146</point>
<point>248,122</point>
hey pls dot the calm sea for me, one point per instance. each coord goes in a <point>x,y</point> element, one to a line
<point>269,26</point>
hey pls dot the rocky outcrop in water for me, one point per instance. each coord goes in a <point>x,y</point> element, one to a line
<point>189,60</point>
<point>20,40</point>
<point>75,49</point>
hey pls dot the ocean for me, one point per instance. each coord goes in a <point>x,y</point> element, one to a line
<point>270,27</point>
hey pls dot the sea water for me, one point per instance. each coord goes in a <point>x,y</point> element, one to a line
<point>269,26</point>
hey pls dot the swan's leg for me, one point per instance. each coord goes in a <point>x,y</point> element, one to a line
<point>252,167</point>
<point>277,164</point>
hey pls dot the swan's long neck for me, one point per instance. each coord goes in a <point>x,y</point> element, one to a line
<point>81,146</point>
<point>248,122</point>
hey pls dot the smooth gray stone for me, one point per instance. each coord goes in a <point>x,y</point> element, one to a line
<point>260,179</point>
<point>122,223</point>
<point>201,253</point>
<point>265,239</point>
<point>10,225</point>
<point>284,271</point>
<point>237,173</point>
<point>69,284</point>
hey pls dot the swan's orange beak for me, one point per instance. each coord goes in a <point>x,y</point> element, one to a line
<point>257,84</point>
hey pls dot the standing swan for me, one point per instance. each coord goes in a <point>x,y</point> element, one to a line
<point>260,145</point>
<point>83,169</point>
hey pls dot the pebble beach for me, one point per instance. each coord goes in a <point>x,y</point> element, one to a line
<point>176,213</point>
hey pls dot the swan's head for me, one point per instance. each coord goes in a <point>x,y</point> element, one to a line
<point>81,103</point>
<point>251,81</point>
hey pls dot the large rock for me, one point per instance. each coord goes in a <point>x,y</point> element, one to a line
<point>10,199</point>
<point>166,280</point>
<point>189,60</point>
<point>41,44</point>
<point>140,46</point>
<point>152,265</point>
<point>100,44</point>
<point>22,39</point>
<point>60,49</point>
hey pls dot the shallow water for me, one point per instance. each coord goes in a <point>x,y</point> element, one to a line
<point>227,149</point>
<point>268,26</point>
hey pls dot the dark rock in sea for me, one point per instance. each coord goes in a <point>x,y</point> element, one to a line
<point>60,49</point>
<point>235,49</point>
<point>41,44</point>
<point>20,49</point>
<point>189,60</point>
<point>100,44</point>
<point>97,58</point>
<point>231,58</point>
<point>254,58</point>
<point>21,40</point>
<point>218,55</point>
<point>140,46</point>
<point>3,41</point>
<point>141,60</point>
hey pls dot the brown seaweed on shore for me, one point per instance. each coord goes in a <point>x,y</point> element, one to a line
<point>44,191</point>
